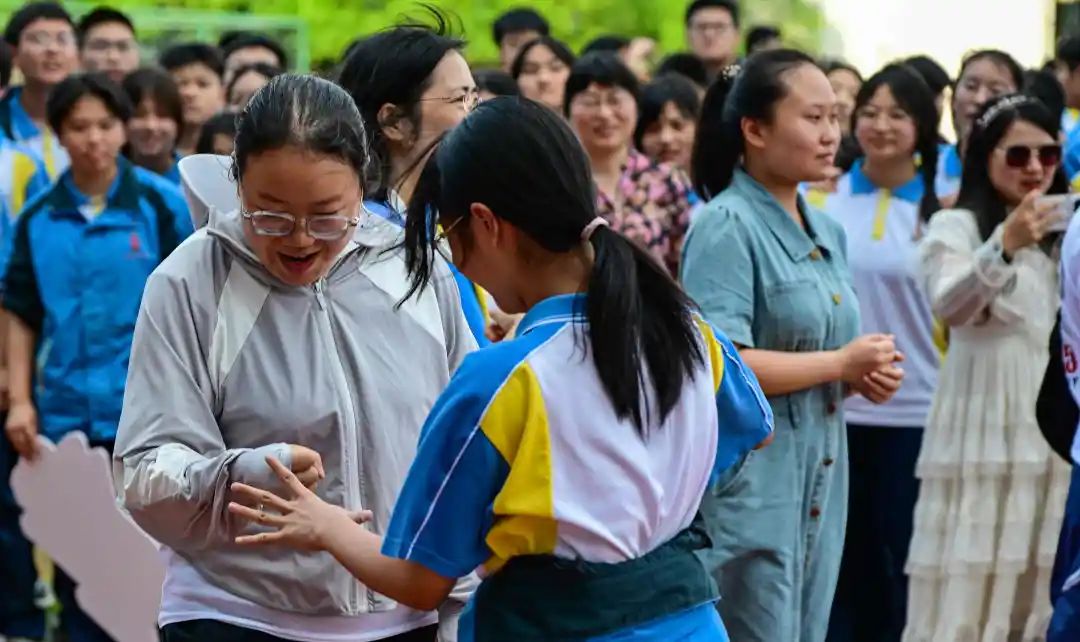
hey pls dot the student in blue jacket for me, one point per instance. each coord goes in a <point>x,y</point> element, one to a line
<point>81,254</point>
<point>411,85</point>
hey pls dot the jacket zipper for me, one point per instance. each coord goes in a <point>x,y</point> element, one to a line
<point>351,453</point>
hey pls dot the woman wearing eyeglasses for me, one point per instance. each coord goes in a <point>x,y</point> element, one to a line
<point>412,85</point>
<point>992,494</point>
<point>276,332</point>
<point>647,202</point>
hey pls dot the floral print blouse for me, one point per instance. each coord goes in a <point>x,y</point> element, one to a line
<point>651,208</point>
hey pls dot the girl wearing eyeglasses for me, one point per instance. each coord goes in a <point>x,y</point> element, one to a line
<point>412,84</point>
<point>276,332</point>
<point>992,494</point>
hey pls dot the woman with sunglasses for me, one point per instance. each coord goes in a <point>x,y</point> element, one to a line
<point>276,332</point>
<point>412,84</point>
<point>992,494</point>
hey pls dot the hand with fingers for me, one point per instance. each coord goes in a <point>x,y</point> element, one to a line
<point>864,355</point>
<point>22,429</point>
<point>882,384</point>
<point>1027,224</point>
<point>307,464</point>
<point>303,521</point>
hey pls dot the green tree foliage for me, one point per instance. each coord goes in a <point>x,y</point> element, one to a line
<point>336,23</point>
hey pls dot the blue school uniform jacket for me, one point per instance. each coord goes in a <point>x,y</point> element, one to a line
<point>76,277</point>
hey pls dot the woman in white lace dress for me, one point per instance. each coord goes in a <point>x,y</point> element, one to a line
<point>992,494</point>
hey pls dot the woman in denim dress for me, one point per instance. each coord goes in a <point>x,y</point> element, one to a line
<point>772,274</point>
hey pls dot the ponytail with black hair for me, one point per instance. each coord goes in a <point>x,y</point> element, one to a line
<point>749,92</point>
<point>522,161</point>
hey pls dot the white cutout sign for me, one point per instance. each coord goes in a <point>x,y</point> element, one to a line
<point>70,511</point>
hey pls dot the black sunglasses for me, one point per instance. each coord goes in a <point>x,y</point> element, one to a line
<point>1018,156</point>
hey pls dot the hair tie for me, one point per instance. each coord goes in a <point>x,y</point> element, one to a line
<point>731,72</point>
<point>587,233</point>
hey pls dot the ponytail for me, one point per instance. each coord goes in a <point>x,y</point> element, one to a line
<point>740,92</point>
<point>636,310</point>
<point>928,157</point>
<point>718,145</point>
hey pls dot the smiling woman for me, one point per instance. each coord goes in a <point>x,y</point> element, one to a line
<point>297,294</point>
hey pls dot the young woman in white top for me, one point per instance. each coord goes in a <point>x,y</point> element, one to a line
<point>992,494</point>
<point>883,203</point>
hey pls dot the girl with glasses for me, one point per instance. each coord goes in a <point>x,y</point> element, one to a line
<point>992,494</point>
<point>567,465</point>
<point>277,332</point>
<point>412,84</point>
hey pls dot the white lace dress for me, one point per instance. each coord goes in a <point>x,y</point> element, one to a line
<point>992,494</point>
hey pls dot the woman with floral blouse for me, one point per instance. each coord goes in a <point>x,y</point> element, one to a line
<point>647,202</point>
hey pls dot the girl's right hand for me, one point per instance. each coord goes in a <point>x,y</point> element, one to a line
<point>866,354</point>
<point>1027,224</point>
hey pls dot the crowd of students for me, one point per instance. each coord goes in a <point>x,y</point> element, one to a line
<point>584,347</point>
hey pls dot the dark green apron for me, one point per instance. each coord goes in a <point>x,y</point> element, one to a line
<point>540,598</point>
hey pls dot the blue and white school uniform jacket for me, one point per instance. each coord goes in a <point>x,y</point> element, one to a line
<point>76,277</point>
<point>523,455</point>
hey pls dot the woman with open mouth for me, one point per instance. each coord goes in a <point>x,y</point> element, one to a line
<point>276,332</point>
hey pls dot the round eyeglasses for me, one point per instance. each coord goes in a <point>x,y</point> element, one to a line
<point>322,227</point>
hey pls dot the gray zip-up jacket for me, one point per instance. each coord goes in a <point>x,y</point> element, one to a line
<point>229,365</point>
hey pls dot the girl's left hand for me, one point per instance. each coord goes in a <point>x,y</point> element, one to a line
<point>880,385</point>
<point>303,522</point>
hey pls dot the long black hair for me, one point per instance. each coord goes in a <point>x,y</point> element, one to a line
<point>915,97</point>
<point>977,191</point>
<point>525,164</point>
<point>394,67</point>
<point>750,93</point>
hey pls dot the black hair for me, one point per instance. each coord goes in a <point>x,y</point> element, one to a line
<point>261,68</point>
<point>1045,86</point>
<point>394,67</point>
<point>307,112</point>
<point>220,124</point>
<point>602,68</point>
<point>496,81</point>
<point>67,93</point>
<point>244,40</point>
<point>1068,51</point>
<point>999,58</point>
<point>730,6</point>
<point>915,97</point>
<point>30,13</point>
<point>7,61</point>
<point>525,164</point>
<point>753,93</point>
<point>932,73</point>
<point>686,64</point>
<point>151,82</point>
<point>608,42</point>
<point>518,20</point>
<point>670,88</point>
<point>977,191</point>
<point>193,53</point>
<point>101,16</point>
<point>831,65</point>
<point>557,47</point>
<point>759,35</point>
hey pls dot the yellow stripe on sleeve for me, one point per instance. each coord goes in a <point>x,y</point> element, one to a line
<point>516,424</point>
<point>716,358</point>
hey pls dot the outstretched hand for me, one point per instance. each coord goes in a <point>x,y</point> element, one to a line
<point>303,522</point>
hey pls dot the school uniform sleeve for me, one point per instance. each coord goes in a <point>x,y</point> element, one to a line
<point>38,181</point>
<point>718,273</point>
<point>1072,160</point>
<point>967,280</point>
<point>444,511</point>
<point>21,295</point>
<point>172,467</point>
<point>744,417</point>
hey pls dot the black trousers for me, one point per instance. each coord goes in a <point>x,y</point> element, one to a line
<point>214,631</point>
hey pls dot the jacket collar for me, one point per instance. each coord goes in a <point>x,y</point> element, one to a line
<point>123,194</point>
<point>911,191</point>
<point>557,309</point>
